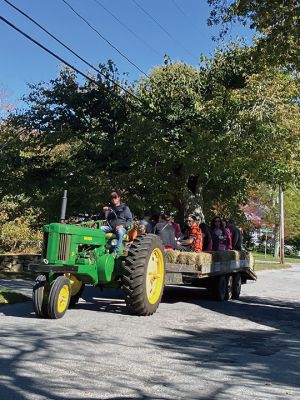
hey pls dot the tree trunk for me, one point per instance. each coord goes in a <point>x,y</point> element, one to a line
<point>190,200</point>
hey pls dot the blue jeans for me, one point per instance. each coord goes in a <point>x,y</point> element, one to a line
<point>120,234</point>
<point>183,248</point>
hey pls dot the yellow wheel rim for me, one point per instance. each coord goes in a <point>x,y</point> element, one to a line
<point>63,299</point>
<point>75,284</point>
<point>155,276</point>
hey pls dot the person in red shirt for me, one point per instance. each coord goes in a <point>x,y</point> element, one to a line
<point>194,240</point>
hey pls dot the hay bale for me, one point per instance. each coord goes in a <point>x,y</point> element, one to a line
<point>225,256</point>
<point>204,258</point>
<point>203,261</point>
<point>187,257</point>
<point>172,256</point>
<point>192,258</point>
<point>249,257</point>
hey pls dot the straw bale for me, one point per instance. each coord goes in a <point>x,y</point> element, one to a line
<point>172,256</point>
<point>182,257</point>
<point>204,258</point>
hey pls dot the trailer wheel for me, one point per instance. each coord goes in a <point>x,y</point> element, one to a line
<point>59,297</point>
<point>229,286</point>
<point>236,286</point>
<point>40,294</point>
<point>144,275</point>
<point>77,288</point>
<point>218,288</point>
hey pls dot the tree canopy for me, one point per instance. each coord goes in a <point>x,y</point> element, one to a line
<point>196,140</point>
<point>277,23</point>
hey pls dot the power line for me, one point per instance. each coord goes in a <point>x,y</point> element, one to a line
<point>184,14</point>
<point>162,28</point>
<point>127,27</point>
<point>104,38</point>
<point>70,65</point>
<point>54,37</point>
<point>179,8</point>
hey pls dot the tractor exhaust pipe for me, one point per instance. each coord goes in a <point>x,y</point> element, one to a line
<point>63,207</point>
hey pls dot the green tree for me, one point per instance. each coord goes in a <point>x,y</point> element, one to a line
<point>222,128</point>
<point>69,137</point>
<point>195,142</point>
<point>277,23</point>
<point>292,212</point>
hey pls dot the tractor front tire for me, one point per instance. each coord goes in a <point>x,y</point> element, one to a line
<point>40,294</point>
<point>144,275</point>
<point>59,297</point>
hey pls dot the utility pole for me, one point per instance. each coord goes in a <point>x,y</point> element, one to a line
<point>281,225</point>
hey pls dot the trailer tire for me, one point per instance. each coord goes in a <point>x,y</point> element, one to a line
<point>236,286</point>
<point>143,275</point>
<point>40,294</point>
<point>218,288</point>
<point>59,297</point>
<point>229,287</point>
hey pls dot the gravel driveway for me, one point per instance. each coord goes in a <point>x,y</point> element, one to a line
<point>192,348</point>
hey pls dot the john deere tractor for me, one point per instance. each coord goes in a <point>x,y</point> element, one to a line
<point>79,254</point>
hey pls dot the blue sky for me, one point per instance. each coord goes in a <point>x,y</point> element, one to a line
<point>21,61</point>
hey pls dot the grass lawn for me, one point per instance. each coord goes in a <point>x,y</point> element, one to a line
<point>10,297</point>
<point>262,266</point>
<point>269,257</point>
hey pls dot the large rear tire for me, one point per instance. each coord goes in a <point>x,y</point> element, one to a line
<point>59,297</point>
<point>144,275</point>
<point>40,294</point>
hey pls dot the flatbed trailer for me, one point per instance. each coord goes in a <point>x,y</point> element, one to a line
<point>222,273</point>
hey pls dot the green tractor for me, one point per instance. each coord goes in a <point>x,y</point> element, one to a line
<point>78,254</point>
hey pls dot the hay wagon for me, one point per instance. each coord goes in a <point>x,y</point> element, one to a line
<point>221,272</point>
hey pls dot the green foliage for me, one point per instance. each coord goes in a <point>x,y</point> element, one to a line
<point>199,138</point>
<point>223,128</point>
<point>19,225</point>
<point>292,212</point>
<point>265,198</point>
<point>71,138</point>
<point>277,23</point>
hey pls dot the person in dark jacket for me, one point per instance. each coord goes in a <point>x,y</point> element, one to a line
<point>166,232</point>
<point>207,240</point>
<point>118,217</point>
<point>236,235</point>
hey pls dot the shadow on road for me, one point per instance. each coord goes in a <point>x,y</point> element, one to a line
<point>268,355</point>
<point>42,361</point>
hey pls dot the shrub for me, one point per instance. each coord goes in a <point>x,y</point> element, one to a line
<point>19,226</point>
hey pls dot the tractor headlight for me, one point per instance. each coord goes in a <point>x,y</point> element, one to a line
<point>114,242</point>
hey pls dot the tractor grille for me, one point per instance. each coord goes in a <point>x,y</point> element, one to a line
<point>64,246</point>
<point>45,244</point>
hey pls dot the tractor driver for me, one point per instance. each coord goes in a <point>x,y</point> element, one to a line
<point>118,217</point>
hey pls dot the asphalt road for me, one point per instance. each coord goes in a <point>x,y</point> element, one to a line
<point>192,348</point>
